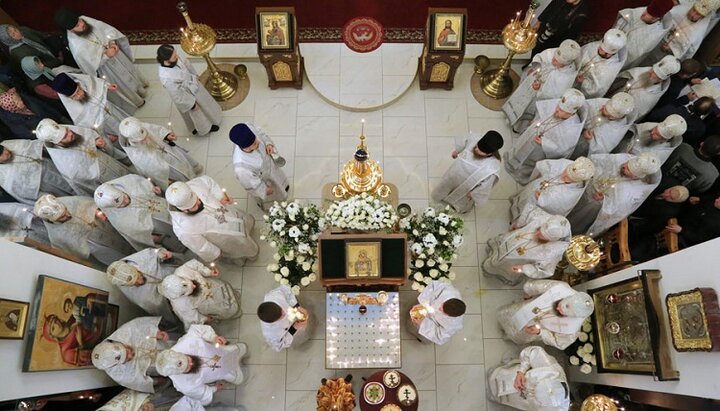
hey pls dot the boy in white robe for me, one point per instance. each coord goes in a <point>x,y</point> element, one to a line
<point>600,62</point>
<point>646,84</point>
<point>691,22</point>
<point>660,139</point>
<point>644,27</point>
<point>283,321</point>
<point>439,313</point>
<point>606,124</point>
<point>551,312</point>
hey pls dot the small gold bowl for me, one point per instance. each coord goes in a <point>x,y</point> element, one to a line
<point>482,62</point>
<point>241,71</point>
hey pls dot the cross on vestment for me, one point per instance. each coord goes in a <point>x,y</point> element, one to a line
<point>219,215</point>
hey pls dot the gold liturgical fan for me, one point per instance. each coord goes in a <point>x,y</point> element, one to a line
<point>361,174</point>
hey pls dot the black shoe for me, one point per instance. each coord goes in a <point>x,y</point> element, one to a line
<point>287,188</point>
<point>214,128</point>
<point>194,131</point>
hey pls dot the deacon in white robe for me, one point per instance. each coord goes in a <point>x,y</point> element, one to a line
<point>646,84</point>
<point>75,225</point>
<point>533,249</point>
<point>473,173</point>
<point>548,75</point>
<point>138,212</point>
<point>79,155</point>
<point>439,313</point>
<point>283,321</point>
<point>153,151</point>
<point>131,400</point>
<point>555,186</point>
<point>128,354</point>
<point>26,175</point>
<point>196,298</point>
<point>18,221</point>
<point>199,110</point>
<point>661,139</point>
<point>606,124</point>
<point>206,223</point>
<point>644,27</point>
<point>691,22</point>
<point>600,62</point>
<point>101,50</point>
<point>551,312</point>
<point>553,134</point>
<point>533,382</point>
<point>621,183</point>
<point>200,361</point>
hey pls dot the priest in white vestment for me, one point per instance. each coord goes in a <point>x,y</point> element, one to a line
<point>74,225</point>
<point>555,186</point>
<point>532,249</point>
<point>128,354</point>
<point>660,139</point>
<point>439,313</point>
<point>473,173</point>
<point>101,50</point>
<point>551,312</point>
<point>200,361</point>
<point>600,62</point>
<point>26,175</point>
<point>79,155</point>
<point>548,75</point>
<point>691,22</point>
<point>644,27</point>
<point>255,165</point>
<point>200,112</point>
<point>283,321</point>
<point>197,298</point>
<point>606,124</point>
<point>205,221</point>
<point>131,400</point>
<point>17,220</point>
<point>647,84</point>
<point>533,382</point>
<point>553,134</point>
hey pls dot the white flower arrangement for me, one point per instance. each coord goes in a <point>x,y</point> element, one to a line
<point>582,351</point>
<point>361,212</point>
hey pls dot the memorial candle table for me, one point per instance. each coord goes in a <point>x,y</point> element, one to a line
<point>388,390</point>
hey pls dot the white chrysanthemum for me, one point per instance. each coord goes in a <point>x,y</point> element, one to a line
<point>443,218</point>
<point>294,232</point>
<point>278,224</point>
<point>404,224</point>
<point>582,336</point>
<point>574,360</point>
<point>457,240</point>
<point>585,369</point>
<point>588,348</point>
<point>416,248</point>
<point>304,281</point>
<point>429,240</point>
<point>429,212</point>
<point>295,290</point>
<point>303,248</point>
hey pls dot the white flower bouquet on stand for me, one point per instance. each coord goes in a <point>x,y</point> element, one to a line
<point>582,351</point>
<point>361,212</point>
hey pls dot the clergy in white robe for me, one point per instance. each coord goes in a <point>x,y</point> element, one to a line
<point>473,173</point>
<point>532,249</point>
<point>196,298</point>
<point>533,382</point>
<point>660,139</point>
<point>283,321</point>
<point>691,22</point>
<point>134,206</point>
<point>153,151</point>
<point>621,183</point>
<point>26,175</point>
<point>79,155</point>
<point>131,400</point>
<point>128,354</point>
<point>606,124</point>
<point>552,312</point>
<point>646,84</point>
<point>138,277</point>
<point>74,225</point>
<point>200,112</point>
<point>200,361</point>
<point>548,75</point>
<point>101,50</point>
<point>553,134</point>
<point>205,221</point>
<point>644,27</point>
<point>18,221</point>
<point>600,62</point>
<point>439,313</point>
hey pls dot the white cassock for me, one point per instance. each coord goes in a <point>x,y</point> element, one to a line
<point>137,373</point>
<point>86,236</point>
<point>622,195</point>
<point>644,93</point>
<point>278,335</point>
<point>217,228</point>
<point>215,297</point>
<point>437,326</point>
<point>559,138</point>
<point>217,363</point>
<point>684,37</point>
<point>553,83</point>
<point>555,330</point>
<point>257,170</point>
<point>160,161</point>
<point>598,72</point>
<point>17,220</point>
<point>638,141</point>
<point>606,133</point>
<point>537,365</point>
<point>89,53</point>
<point>547,190</point>
<point>28,175</point>
<point>83,165</point>
<point>468,174</point>
<point>185,90</point>
<point>642,38</point>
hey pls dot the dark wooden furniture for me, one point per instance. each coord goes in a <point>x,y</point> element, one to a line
<point>284,66</point>
<point>615,250</point>
<point>437,67</point>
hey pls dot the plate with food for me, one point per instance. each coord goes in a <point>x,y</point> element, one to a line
<point>374,393</point>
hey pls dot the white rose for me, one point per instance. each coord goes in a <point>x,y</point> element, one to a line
<point>278,277</point>
<point>266,217</point>
<point>428,279</point>
<point>593,360</point>
<point>262,237</point>
<point>305,227</point>
<point>276,257</point>
<point>434,273</point>
<point>419,263</point>
<point>313,277</point>
<point>431,263</point>
<point>585,369</point>
<point>418,276</point>
<point>273,267</point>
<point>451,275</point>
<point>443,267</point>
<point>304,281</point>
<point>582,336</point>
<point>580,352</point>
<point>306,266</point>
<point>273,244</point>
<point>420,287</point>
<point>588,348</point>
<point>300,259</point>
<point>574,360</point>
<point>284,281</point>
<point>288,257</point>
<point>587,327</point>
<point>295,289</point>
<point>431,251</point>
<point>587,358</point>
<point>416,248</point>
<point>442,231</point>
<point>415,286</point>
<point>285,271</point>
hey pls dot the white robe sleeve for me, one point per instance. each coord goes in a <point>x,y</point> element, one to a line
<point>288,295</point>
<point>187,404</point>
<point>250,181</point>
<point>537,287</point>
<point>205,332</point>
<point>181,96</point>
<point>481,193</point>
<point>557,340</point>
<point>193,267</point>
<point>539,269</point>
<point>535,357</point>
<point>188,314</point>
<point>202,393</point>
<point>212,186</point>
<point>199,245</point>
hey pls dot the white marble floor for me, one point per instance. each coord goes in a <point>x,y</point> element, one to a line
<point>412,139</point>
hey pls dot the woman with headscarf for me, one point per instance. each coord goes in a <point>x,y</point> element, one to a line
<point>23,42</point>
<point>21,112</point>
<point>38,77</point>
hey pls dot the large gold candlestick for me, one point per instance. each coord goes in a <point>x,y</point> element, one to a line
<point>361,175</point>
<point>583,252</point>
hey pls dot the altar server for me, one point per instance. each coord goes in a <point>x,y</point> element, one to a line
<point>206,223</point>
<point>535,381</point>
<point>200,361</point>
<point>644,27</point>
<point>439,313</point>
<point>18,220</point>
<point>606,124</point>
<point>600,62</point>
<point>553,134</point>
<point>255,166</point>
<point>551,312</point>
<point>691,22</point>
<point>473,174</point>
<point>199,110</point>
<point>101,50</point>
<point>646,84</point>
<point>661,139</point>
<point>282,320</point>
